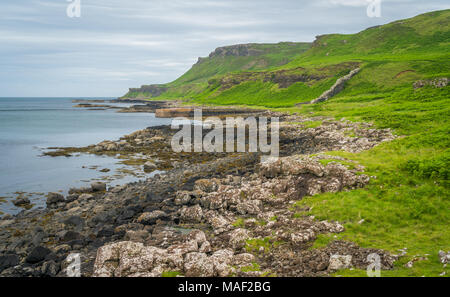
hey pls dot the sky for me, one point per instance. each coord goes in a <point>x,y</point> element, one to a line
<point>116,44</point>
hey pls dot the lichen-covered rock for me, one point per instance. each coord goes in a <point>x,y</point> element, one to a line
<point>150,166</point>
<point>252,207</point>
<point>182,198</point>
<point>238,238</point>
<point>130,259</point>
<point>206,185</point>
<point>198,265</point>
<point>338,262</point>
<point>193,214</point>
<point>222,262</point>
<point>149,218</point>
<point>54,198</point>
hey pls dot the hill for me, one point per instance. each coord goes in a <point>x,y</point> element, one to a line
<point>224,60</point>
<point>402,85</point>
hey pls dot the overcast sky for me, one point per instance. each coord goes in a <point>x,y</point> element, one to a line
<point>117,44</point>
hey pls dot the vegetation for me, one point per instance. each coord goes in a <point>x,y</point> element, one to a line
<point>407,204</point>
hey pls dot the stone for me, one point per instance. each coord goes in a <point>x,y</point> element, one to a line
<point>133,259</point>
<point>98,187</point>
<point>238,238</point>
<point>252,207</point>
<point>149,218</point>
<point>338,262</point>
<point>150,166</point>
<point>192,214</point>
<point>21,201</point>
<point>50,268</point>
<point>53,198</point>
<point>206,185</point>
<point>38,254</point>
<point>444,257</point>
<point>84,197</point>
<point>136,236</point>
<point>74,221</point>
<point>8,260</point>
<point>182,198</point>
<point>198,265</point>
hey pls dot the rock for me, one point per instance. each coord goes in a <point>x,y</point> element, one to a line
<point>106,231</point>
<point>198,265</point>
<point>150,166</point>
<point>72,197</point>
<point>136,236</point>
<point>74,221</point>
<point>20,201</point>
<point>54,198</point>
<point>149,218</point>
<point>182,198</point>
<point>133,259</point>
<point>8,260</point>
<point>98,187</point>
<point>221,261</point>
<point>444,257</point>
<point>67,236</point>
<point>206,185</point>
<point>38,254</point>
<point>238,238</point>
<point>50,268</point>
<point>6,217</point>
<point>79,190</point>
<point>192,214</point>
<point>252,207</point>
<point>243,260</point>
<point>84,197</point>
<point>338,262</point>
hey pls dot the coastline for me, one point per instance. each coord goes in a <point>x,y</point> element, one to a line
<point>206,215</point>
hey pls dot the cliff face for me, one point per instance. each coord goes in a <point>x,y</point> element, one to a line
<point>147,91</point>
<point>223,60</point>
<point>239,50</point>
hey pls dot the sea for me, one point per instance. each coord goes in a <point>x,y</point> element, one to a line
<point>29,126</point>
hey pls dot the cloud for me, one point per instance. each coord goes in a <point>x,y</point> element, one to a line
<point>119,44</point>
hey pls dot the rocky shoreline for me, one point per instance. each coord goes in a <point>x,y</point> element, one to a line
<point>206,215</point>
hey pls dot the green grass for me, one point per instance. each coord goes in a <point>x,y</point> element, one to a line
<point>407,204</point>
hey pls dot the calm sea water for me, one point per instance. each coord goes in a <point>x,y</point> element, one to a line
<point>29,125</point>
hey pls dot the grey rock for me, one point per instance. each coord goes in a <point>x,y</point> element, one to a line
<point>98,187</point>
<point>38,254</point>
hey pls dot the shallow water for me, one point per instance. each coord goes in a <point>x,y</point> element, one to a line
<point>29,125</point>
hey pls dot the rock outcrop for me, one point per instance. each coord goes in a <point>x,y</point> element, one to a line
<point>335,89</point>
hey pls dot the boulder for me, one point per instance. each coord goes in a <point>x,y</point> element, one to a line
<point>98,187</point>
<point>192,214</point>
<point>238,238</point>
<point>338,262</point>
<point>444,257</point>
<point>150,166</point>
<point>198,265</point>
<point>20,201</point>
<point>149,218</point>
<point>38,254</point>
<point>206,185</point>
<point>8,260</point>
<point>54,198</point>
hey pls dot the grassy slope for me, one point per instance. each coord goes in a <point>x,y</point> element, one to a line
<point>195,80</point>
<point>408,204</point>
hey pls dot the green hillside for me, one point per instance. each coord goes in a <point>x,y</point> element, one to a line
<point>224,60</point>
<point>402,85</point>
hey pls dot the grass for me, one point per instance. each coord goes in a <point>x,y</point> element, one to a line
<point>407,204</point>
